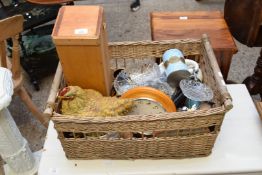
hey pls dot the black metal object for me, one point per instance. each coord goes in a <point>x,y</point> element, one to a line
<point>34,14</point>
<point>39,65</point>
<point>36,65</point>
<point>179,98</point>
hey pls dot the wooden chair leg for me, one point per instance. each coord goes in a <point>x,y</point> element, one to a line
<point>259,108</point>
<point>254,82</point>
<point>31,106</point>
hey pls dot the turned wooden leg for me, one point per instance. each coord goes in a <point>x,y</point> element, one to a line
<point>254,82</point>
<point>259,108</point>
<point>224,58</point>
<point>31,106</point>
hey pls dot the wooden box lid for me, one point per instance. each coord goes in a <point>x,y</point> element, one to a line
<point>192,24</point>
<point>78,25</point>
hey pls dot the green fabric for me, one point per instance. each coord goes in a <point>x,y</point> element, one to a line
<point>37,44</point>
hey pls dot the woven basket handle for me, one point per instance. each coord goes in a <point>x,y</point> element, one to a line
<point>53,91</point>
<point>217,73</point>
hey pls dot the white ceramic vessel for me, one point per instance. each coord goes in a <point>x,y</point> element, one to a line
<point>13,147</point>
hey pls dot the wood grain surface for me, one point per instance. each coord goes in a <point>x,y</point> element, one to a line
<point>83,56</point>
<point>49,1</point>
<point>244,21</point>
<point>259,108</point>
<point>192,25</point>
<point>169,25</point>
<point>72,19</point>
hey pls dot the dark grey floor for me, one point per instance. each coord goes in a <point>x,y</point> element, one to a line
<point>124,25</point>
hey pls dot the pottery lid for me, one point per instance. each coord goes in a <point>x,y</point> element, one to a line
<point>78,24</point>
<point>6,87</point>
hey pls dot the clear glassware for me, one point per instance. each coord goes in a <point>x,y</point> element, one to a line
<point>196,90</point>
<point>142,75</point>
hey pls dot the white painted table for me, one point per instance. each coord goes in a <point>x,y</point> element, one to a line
<point>238,149</point>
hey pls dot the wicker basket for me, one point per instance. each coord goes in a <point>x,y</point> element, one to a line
<point>193,133</point>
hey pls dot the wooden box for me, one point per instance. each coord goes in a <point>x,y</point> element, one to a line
<point>193,24</point>
<point>81,42</point>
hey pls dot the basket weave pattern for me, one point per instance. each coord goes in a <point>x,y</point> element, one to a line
<point>193,134</point>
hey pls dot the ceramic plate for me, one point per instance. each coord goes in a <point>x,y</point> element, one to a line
<point>150,99</point>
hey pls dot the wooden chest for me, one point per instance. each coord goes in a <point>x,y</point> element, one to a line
<point>81,42</point>
<point>193,24</point>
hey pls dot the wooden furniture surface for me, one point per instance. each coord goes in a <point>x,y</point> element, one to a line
<point>244,19</point>
<point>81,42</point>
<point>11,28</point>
<point>71,19</point>
<point>245,23</point>
<point>183,25</point>
<point>50,1</point>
